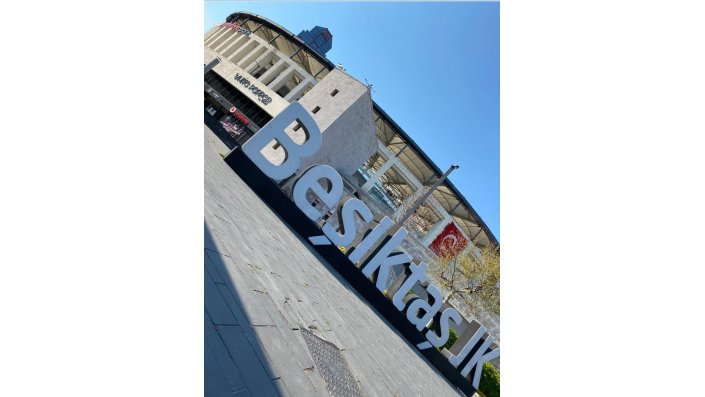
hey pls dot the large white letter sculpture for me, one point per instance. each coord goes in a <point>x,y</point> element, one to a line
<point>275,130</point>
<point>419,312</point>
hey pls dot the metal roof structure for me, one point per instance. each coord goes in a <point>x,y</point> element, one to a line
<point>388,131</point>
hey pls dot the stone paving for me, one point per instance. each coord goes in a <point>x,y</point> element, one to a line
<point>263,284</point>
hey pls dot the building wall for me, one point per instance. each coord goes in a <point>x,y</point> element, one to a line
<point>228,70</point>
<point>348,117</point>
<point>346,122</point>
<point>251,52</point>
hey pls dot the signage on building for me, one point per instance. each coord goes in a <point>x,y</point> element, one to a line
<point>261,96</point>
<point>239,115</point>
<point>371,253</point>
<point>236,28</point>
<point>233,126</point>
<point>449,242</point>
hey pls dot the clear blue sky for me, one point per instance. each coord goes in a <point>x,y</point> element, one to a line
<point>435,71</point>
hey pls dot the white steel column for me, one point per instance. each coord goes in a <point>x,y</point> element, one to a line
<point>299,89</point>
<point>210,32</point>
<point>408,175</point>
<point>261,61</point>
<point>234,45</point>
<point>243,50</point>
<point>252,55</point>
<point>228,41</point>
<point>270,74</point>
<point>216,34</point>
<point>220,39</point>
<point>375,177</point>
<point>282,79</point>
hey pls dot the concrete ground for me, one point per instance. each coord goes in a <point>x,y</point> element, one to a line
<point>263,284</point>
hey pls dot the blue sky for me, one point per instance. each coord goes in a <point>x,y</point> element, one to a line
<point>435,71</point>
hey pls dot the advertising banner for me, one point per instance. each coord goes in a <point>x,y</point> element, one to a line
<point>449,242</point>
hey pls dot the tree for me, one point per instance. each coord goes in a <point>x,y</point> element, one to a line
<point>473,278</point>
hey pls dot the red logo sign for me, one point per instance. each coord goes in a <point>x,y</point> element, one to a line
<point>449,242</point>
<point>242,118</point>
<point>239,115</point>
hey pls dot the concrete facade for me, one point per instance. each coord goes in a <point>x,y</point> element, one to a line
<point>346,122</point>
<point>343,118</point>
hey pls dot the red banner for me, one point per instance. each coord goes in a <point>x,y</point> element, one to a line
<point>449,242</point>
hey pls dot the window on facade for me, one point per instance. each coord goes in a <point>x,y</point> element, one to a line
<point>294,81</point>
<point>258,70</point>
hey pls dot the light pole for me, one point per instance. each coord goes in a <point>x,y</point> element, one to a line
<point>421,200</point>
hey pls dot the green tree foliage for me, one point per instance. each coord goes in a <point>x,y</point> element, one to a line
<point>489,381</point>
<point>473,278</point>
<point>451,339</point>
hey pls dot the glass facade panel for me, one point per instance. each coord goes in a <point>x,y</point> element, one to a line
<point>285,46</point>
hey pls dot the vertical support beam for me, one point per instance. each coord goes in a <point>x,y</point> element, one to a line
<point>240,41</point>
<point>222,38</point>
<point>270,74</point>
<point>282,79</point>
<point>294,54</point>
<point>474,238</point>
<point>257,28</point>
<point>216,35</point>
<point>210,33</point>
<point>406,145</point>
<point>375,177</point>
<point>244,49</point>
<point>428,180</point>
<point>298,90</point>
<point>274,38</point>
<point>233,37</point>
<point>324,67</point>
<point>252,55</point>
<point>261,61</point>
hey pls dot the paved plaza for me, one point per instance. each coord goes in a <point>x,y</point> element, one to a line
<point>263,285</point>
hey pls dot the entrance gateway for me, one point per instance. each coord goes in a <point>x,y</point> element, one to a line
<point>370,254</point>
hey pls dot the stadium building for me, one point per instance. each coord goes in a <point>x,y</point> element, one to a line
<point>256,68</point>
<point>263,67</point>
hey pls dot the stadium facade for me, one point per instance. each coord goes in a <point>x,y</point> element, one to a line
<point>264,67</point>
